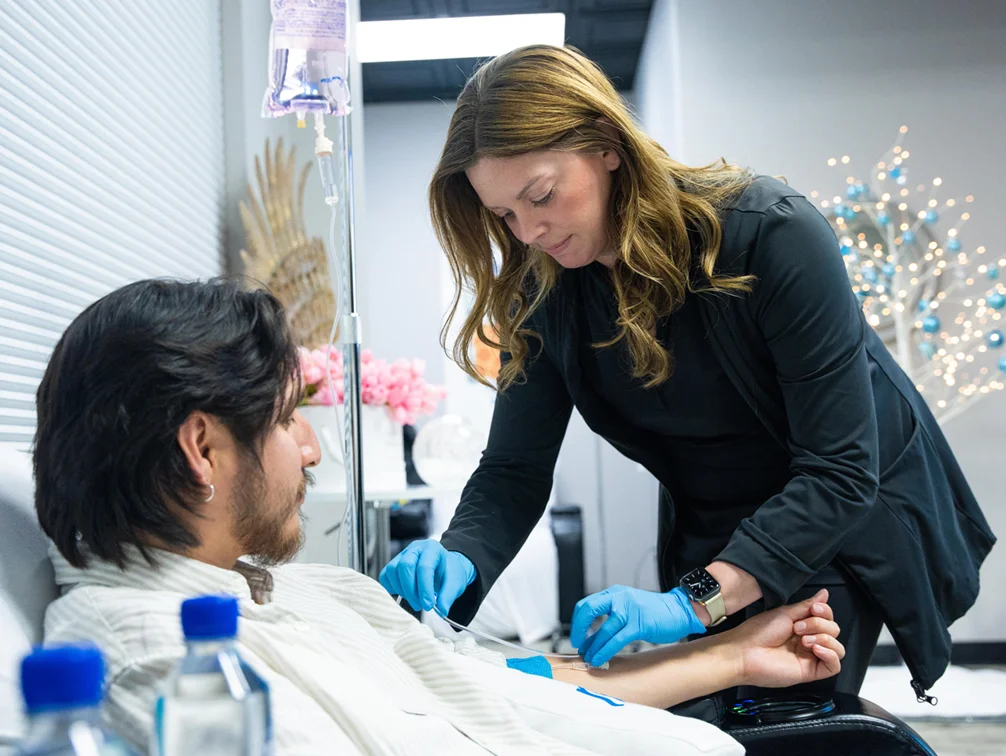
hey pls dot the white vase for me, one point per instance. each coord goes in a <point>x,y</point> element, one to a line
<point>383,449</point>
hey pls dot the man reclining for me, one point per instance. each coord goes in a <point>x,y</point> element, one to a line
<point>169,445</point>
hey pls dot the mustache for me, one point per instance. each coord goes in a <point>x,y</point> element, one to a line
<point>306,482</point>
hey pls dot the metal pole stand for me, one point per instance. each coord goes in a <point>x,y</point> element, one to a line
<point>351,348</point>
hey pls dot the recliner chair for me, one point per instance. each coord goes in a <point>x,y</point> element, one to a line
<point>851,728</point>
<point>27,586</point>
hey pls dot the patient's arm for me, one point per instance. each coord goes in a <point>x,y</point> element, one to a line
<point>767,650</point>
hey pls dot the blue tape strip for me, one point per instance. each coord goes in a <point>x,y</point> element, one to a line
<point>531,665</point>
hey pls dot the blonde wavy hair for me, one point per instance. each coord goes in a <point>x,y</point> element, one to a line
<point>552,98</point>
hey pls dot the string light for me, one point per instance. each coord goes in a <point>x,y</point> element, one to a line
<point>949,358</point>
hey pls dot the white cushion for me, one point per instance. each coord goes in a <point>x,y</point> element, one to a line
<point>601,724</point>
<point>26,582</point>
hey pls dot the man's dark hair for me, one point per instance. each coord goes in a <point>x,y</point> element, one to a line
<point>123,378</point>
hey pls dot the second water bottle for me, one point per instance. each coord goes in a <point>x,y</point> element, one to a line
<point>214,704</point>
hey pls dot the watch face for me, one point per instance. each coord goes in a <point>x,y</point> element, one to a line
<point>700,585</point>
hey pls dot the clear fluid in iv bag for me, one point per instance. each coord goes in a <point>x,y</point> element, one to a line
<point>308,59</point>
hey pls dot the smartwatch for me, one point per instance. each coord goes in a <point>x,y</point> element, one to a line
<point>703,588</point>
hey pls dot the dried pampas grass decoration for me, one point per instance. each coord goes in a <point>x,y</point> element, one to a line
<point>279,255</point>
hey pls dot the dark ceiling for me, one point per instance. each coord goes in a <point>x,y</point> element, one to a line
<point>609,32</point>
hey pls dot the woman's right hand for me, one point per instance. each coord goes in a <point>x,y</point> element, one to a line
<point>426,575</point>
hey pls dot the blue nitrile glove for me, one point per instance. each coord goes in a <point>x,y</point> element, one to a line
<point>426,573</point>
<point>633,615</point>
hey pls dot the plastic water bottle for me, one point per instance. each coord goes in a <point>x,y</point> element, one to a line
<point>213,704</point>
<point>62,688</point>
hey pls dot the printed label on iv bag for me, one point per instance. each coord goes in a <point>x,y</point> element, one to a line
<point>309,24</point>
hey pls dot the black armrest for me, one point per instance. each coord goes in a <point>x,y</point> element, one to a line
<point>854,727</point>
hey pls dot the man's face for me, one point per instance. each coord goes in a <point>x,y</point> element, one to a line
<point>267,499</point>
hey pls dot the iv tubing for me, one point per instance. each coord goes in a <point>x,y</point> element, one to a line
<point>516,646</point>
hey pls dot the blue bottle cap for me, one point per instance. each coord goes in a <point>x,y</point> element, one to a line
<point>62,677</point>
<point>210,618</point>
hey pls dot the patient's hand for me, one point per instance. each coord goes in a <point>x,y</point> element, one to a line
<point>790,645</point>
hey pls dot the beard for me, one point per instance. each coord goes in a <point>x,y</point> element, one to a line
<point>262,517</point>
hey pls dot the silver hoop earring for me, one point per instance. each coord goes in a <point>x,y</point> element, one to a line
<point>213,492</point>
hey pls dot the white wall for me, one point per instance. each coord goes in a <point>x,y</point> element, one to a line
<point>782,85</point>
<point>400,270</point>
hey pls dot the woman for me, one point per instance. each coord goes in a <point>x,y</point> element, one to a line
<point>701,321</point>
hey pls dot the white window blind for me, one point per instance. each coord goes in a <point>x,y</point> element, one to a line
<point>111,166</point>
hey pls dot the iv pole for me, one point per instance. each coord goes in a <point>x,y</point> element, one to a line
<point>354,516</point>
<point>351,347</point>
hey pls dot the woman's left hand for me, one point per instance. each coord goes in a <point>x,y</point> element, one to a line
<point>633,614</point>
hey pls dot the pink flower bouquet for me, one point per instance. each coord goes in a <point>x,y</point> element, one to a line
<point>399,386</point>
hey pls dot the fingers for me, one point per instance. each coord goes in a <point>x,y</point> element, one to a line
<point>389,579</point>
<point>803,609</point>
<point>406,570</point>
<point>809,641</point>
<point>399,577</point>
<point>584,613</point>
<point>452,585</point>
<point>830,652</point>
<point>820,609</point>
<point>816,626</point>
<point>429,574</point>
<point>611,627</point>
<point>604,654</point>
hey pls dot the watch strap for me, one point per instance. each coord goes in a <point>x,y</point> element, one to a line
<point>717,609</point>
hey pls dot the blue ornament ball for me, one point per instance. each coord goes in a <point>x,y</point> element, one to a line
<point>996,301</point>
<point>1002,364</point>
<point>993,274</point>
<point>928,349</point>
<point>953,244</point>
<point>994,339</point>
<point>908,237</point>
<point>923,305</point>
<point>870,275</point>
<point>852,191</point>
<point>895,172</point>
<point>932,216</point>
<point>931,324</point>
<point>888,270</point>
<point>846,250</point>
<point>883,219</point>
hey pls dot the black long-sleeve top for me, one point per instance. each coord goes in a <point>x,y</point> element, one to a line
<point>842,461</point>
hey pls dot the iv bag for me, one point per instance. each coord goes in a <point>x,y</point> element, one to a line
<point>308,58</point>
